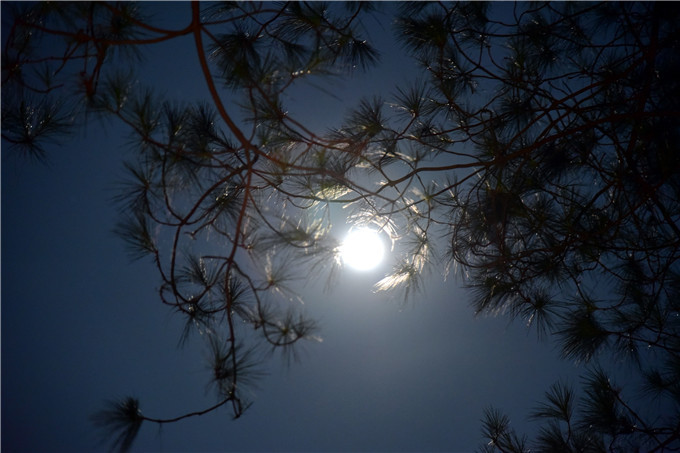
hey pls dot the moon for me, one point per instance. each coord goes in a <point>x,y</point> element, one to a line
<point>362,249</point>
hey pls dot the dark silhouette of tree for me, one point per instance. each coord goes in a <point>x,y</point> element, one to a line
<point>539,147</point>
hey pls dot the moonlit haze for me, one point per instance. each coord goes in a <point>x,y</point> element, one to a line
<point>377,226</point>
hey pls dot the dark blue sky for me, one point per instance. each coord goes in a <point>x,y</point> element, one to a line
<point>81,324</point>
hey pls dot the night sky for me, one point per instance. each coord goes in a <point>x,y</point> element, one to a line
<point>82,324</point>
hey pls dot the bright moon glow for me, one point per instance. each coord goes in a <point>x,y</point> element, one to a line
<point>363,249</point>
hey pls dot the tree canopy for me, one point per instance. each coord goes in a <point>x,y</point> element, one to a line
<point>536,158</point>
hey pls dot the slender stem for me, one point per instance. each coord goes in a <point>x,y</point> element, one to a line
<point>190,414</point>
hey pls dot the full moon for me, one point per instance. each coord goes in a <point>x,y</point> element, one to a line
<point>362,249</point>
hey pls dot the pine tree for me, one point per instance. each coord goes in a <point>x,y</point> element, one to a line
<point>536,158</point>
